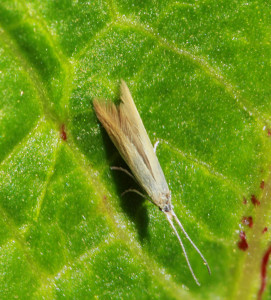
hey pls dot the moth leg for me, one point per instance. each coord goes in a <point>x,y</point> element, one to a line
<point>133,191</point>
<point>123,170</point>
<point>155,146</point>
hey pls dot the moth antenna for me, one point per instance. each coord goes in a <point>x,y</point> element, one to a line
<point>192,243</point>
<point>185,255</point>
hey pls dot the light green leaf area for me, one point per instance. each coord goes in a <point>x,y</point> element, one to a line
<point>199,73</point>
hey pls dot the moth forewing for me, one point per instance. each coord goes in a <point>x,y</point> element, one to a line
<point>124,145</point>
<point>129,135</point>
<point>125,128</point>
<point>130,110</point>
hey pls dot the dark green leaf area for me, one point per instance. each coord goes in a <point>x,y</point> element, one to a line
<point>11,12</point>
<point>112,272</point>
<point>82,18</point>
<point>5,233</point>
<point>19,106</point>
<point>147,11</point>
<point>17,278</point>
<point>117,57</point>
<point>70,219</point>
<point>225,34</point>
<point>24,175</point>
<point>36,51</point>
<point>32,45</point>
<point>35,47</point>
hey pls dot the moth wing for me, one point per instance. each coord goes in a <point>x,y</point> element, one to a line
<point>129,109</point>
<point>109,116</point>
<point>126,130</point>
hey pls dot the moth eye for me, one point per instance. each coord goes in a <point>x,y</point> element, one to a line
<point>167,208</point>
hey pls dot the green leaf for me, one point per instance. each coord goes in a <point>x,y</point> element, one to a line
<point>199,73</point>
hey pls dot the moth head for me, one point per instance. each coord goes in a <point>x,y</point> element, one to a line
<point>166,202</point>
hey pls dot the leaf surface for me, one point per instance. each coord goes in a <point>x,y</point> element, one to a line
<point>199,73</point>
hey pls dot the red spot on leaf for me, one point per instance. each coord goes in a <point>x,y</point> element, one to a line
<point>264,230</point>
<point>269,132</point>
<point>263,272</point>
<point>242,244</point>
<point>63,133</point>
<point>244,200</point>
<point>248,221</point>
<point>255,201</point>
<point>262,184</point>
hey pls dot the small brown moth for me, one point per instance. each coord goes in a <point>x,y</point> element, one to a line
<point>126,130</point>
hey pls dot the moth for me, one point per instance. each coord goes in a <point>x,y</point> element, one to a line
<point>126,130</point>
